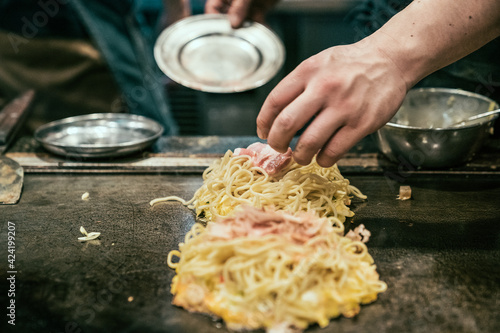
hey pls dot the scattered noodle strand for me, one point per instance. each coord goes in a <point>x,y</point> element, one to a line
<point>171,198</point>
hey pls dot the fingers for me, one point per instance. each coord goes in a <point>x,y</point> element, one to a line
<point>291,119</point>
<point>258,16</point>
<point>317,135</point>
<point>238,12</point>
<point>282,95</point>
<point>338,145</point>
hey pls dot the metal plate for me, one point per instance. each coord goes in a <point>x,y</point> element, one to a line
<point>99,135</point>
<point>203,52</point>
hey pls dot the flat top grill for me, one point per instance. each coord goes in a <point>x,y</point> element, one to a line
<point>439,252</point>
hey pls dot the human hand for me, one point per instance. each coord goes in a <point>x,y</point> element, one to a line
<point>239,10</point>
<point>347,92</point>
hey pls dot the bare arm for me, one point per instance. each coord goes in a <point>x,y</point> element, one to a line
<point>351,91</point>
<point>429,35</point>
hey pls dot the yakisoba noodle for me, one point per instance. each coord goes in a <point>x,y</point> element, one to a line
<point>234,180</point>
<point>254,279</point>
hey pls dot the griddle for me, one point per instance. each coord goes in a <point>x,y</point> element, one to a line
<point>439,252</point>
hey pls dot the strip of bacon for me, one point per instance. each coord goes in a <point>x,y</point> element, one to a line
<point>262,155</point>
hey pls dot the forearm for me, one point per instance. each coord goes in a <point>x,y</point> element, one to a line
<point>431,34</point>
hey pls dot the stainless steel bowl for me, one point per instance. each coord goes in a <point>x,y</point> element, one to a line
<point>421,132</point>
<point>99,135</point>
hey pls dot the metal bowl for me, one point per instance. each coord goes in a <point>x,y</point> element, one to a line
<point>99,135</point>
<point>421,132</point>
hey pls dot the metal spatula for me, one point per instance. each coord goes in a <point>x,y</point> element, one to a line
<point>11,173</point>
<point>11,181</point>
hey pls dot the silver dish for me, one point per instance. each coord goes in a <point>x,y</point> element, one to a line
<point>99,135</point>
<point>203,52</point>
<point>421,134</point>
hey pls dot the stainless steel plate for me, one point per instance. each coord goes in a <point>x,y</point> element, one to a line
<point>99,135</point>
<point>203,52</point>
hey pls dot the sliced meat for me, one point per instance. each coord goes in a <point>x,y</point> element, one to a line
<point>265,157</point>
<point>253,222</point>
<point>360,233</point>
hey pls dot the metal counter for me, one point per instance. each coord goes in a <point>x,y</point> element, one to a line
<point>439,252</point>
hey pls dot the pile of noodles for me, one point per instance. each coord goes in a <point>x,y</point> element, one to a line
<point>272,270</point>
<point>233,181</point>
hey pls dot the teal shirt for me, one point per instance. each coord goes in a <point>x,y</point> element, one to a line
<point>478,72</point>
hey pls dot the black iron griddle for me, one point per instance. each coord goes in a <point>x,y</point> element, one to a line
<point>439,253</point>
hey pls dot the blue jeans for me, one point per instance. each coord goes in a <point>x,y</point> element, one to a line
<point>114,27</point>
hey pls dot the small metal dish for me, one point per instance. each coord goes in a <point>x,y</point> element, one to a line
<point>99,135</point>
<point>421,134</point>
<point>203,52</point>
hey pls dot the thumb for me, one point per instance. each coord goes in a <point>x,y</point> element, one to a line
<point>238,12</point>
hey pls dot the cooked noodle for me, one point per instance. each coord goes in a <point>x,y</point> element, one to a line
<point>234,180</point>
<point>274,279</point>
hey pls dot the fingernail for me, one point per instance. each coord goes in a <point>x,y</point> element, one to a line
<point>325,164</point>
<point>261,134</point>
<point>235,21</point>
